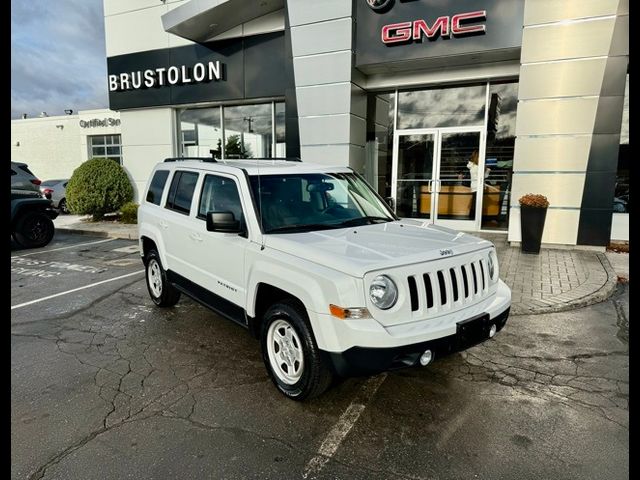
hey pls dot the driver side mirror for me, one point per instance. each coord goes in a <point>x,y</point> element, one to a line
<point>390,202</point>
<point>223,222</point>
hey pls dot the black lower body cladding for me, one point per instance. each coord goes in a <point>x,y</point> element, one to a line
<point>367,361</point>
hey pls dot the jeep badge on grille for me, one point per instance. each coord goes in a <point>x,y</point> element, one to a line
<point>445,252</point>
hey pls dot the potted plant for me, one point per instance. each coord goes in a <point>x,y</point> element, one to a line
<point>533,211</point>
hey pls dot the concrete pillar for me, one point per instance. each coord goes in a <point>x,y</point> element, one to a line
<point>572,78</point>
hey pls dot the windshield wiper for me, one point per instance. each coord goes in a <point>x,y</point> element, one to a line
<point>369,220</point>
<point>302,228</point>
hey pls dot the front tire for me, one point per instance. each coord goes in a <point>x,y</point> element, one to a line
<point>160,289</point>
<point>290,353</point>
<point>34,230</point>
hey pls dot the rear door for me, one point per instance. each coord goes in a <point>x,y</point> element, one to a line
<point>176,222</point>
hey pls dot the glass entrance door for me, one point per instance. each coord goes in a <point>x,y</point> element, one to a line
<point>437,174</point>
<point>413,174</point>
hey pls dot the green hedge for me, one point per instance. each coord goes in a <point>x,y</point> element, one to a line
<point>97,187</point>
<point>129,213</point>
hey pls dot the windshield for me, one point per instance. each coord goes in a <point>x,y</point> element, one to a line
<point>316,201</point>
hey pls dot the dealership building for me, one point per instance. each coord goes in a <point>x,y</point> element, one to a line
<point>53,146</point>
<point>453,109</point>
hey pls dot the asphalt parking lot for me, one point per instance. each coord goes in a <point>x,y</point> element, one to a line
<point>106,385</point>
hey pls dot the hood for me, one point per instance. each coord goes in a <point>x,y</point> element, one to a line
<point>358,250</point>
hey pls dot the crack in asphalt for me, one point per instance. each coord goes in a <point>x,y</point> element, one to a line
<point>139,377</point>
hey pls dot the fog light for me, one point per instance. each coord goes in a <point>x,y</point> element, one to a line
<point>492,330</point>
<point>426,357</point>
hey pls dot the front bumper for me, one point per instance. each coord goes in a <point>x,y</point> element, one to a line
<point>367,361</point>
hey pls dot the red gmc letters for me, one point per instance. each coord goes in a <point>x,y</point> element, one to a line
<point>443,26</point>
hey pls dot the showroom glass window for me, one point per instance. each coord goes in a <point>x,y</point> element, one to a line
<point>621,196</point>
<point>236,131</point>
<point>105,146</point>
<point>248,131</point>
<point>501,140</point>
<point>200,132</point>
<point>442,107</point>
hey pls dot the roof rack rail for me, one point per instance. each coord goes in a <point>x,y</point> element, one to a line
<point>201,159</point>
<point>225,160</point>
<point>282,159</point>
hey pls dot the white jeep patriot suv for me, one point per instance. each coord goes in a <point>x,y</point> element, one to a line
<point>314,263</point>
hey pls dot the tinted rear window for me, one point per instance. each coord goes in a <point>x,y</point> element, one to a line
<point>181,191</point>
<point>49,183</point>
<point>24,168</point>
<point>156,188</point>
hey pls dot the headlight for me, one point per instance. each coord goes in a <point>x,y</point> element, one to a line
<point>383,292</point>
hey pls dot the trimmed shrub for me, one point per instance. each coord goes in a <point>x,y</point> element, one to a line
<point>97,187</point>
<point>129,212</point>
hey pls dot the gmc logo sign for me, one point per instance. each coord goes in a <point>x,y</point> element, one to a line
<point>457,25</point>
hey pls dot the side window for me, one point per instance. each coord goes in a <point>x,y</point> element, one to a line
<point>157,186</point>
<point>219,194</point>
<point>181,191</point>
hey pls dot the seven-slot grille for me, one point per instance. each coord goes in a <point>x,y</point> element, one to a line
<point>449,287</point>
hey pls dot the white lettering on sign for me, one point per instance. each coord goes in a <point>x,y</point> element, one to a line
<point>159,77</point>
<point>444,27</point>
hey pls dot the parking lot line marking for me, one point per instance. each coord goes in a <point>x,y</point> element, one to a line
<point>67,247</point>
<point>49,297</point>
<point>343,426</point>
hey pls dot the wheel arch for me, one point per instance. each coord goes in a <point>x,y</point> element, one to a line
<point>267,295</point>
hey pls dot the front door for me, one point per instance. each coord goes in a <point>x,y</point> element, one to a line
<point>437,174</point>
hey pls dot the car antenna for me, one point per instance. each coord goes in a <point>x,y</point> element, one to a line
<point>260,206</point>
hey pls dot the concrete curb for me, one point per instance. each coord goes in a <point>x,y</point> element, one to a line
<point>100,233</point>
<point>599,295</point>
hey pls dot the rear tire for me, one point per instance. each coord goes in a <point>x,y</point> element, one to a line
<point>62,205</point>
<point>161,291</point>
<point>34,230</point>
<point>290,353</point>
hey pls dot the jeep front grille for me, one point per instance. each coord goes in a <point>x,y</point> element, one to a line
<point>449,288</point>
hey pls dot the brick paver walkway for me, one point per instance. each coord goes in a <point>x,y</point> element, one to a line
<point>552,281</point>
<point>555,279</point>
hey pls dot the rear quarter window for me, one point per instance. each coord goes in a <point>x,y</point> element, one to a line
<point>181,191</point>
<point>159,180</point>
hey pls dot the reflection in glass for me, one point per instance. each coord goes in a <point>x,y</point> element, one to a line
<point>459,176</point>
<point>379,149</point>
<point>248,131</point>
<point>415,171</point>
<point>501,137</point>
<point>200,131</point>
<point>281,146</point>
<point>443,107</point>
<point>621,196</point>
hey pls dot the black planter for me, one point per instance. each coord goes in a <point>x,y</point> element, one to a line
<point>531,227</point>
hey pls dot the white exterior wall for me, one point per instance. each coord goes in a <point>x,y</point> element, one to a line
<point>54,147</point>
<point>148,137</point>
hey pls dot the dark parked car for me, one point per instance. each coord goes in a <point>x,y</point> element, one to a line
<point>23,178</point>
<point>32,218</point>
